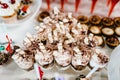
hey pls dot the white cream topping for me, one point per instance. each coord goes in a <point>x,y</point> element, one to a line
<point>63,59</point>
<point>79,60</point>
<point>44,58</point>
<point>11,9</point>
<point>22,62</point>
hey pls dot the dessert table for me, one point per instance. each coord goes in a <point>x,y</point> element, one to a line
<point>17,33</point>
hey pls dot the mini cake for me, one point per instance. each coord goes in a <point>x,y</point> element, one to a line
<point>112,41</point>
<point>117,31</point>
<point>95,20</point>
<point>117,21</point>
<point>44,57</point>
<point>7,14</point>
<point>106,31</point>
<point>26,2</point>
<point>83,19</point>
<point>95,30</point>
<point>107,22</point>
<point>99,58</point>
<point>23,12</point>
<point>42,15</point>
<point>4,57</point>
<point>24,59</point>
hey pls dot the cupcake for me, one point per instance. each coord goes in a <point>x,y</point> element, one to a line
<point>24,59</point>
<point>44,57</point>
<point>62,57</point>
<point>7,13</point>
<point>117,21</point>
<point>23,12</point>
<point>95,20</point>
<point>107,22</point>
<point>42,15</point>
<point>83,19</point>
<point>99,58</point>
<point>4,57</point>
<point>112,41</point>
<point>95,30</point>
<point>117,31</point>
<point>14,4</point>
<point>107,31</point>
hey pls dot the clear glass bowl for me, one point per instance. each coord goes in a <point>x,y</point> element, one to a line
<point>114,65</point>
<point>34,8</point>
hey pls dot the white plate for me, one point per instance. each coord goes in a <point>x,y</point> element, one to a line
<point>34,8</point>
<point>114,65</point>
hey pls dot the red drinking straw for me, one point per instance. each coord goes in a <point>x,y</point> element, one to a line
<point>77,2</point>
<point>93,6</point>
<point>62,4</point>
<point>48,4</point>
<point>8,48</point>
<point>113,3</point>
<point>108,2</point>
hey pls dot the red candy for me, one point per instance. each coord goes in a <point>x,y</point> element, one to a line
<point>13,1</point>
<point>4,5</point>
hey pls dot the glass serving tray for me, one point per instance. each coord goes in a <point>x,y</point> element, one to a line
<point>11,71</point>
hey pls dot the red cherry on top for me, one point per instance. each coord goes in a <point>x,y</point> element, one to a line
<point>4,5</point>
<point>13,1</point>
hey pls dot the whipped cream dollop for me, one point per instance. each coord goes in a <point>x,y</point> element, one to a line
<point>62,59</point>
<point>23,60</point>
<point>44,58</point>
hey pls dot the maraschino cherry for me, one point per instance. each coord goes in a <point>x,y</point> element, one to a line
<point>12,1</point>
<point>3,5</point>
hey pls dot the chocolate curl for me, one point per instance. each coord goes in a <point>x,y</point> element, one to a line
<point>108,2</point>
<point>62,4</point>
<point>113,3</point>
<point>93,6</point>
<point>8,48</point>
<point>77,2</point>
<point>48,4</point>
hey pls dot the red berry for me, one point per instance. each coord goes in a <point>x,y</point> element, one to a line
<point>13,1</point>
<point>4,5</point>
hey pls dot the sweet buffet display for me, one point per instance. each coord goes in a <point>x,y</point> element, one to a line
<point>63,44</point>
